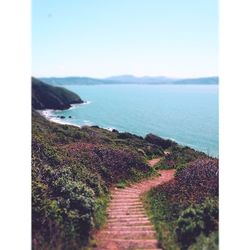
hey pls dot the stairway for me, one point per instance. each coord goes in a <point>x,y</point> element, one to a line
<point>128,227</point>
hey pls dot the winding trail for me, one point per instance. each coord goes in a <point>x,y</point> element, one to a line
<point>153,162</point>
<point>128,226</point>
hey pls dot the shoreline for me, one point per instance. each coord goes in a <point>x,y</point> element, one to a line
<point>48,114</point>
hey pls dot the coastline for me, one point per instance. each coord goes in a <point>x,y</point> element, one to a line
<point>48,114</point>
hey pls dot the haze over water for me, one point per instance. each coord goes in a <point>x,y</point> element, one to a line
<point>186,113</point>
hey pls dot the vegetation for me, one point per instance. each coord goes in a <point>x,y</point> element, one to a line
<point>181,155</point>
<point>45,96</point>
<point>163,143</point>
<point>72,170</point>
<point>185,210</point>
<point>195,220</point>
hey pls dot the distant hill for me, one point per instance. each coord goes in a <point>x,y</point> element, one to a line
<point>143,79</point>
<point>72,80</point>
<point>45,96</point>
<point>203,81</point>
<point>127,79</point>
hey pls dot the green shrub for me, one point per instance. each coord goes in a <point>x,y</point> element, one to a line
<point>121,184</point>
<point>197,219</point>
<point>203,242</point>
<point>180,155</point>
<point>162,164</point>
<point>63,209</point>
<point>100,214</point>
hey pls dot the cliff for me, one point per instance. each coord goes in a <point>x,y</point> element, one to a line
<point>45,96</point>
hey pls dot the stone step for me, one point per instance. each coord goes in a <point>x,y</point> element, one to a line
<point>132,216</point>
<point>116,206</point>
<point>126,212</point>
<point>127,218</point>
<point>130,227</point>
<point>123,197</point>
<point>128,201</point>
<point>133,235</point>
<point>126,209</point>
<point>129,231</point>
<point>127,194</point>
<point>132,244</point>
<point>127,191</point>
<point>124,203</point>
<point>114,214</point>
<point>129,223</point>
<point>124,219</point>
<point>127,206</point>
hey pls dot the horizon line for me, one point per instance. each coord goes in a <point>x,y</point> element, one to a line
<point>102,78</point>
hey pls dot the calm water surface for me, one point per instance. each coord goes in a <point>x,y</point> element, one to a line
<point>186,113</point>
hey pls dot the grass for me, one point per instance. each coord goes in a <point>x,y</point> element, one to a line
<point>157,214</point>
<point>121,184</point>
<point>162,165</point>
<point>100,214</point>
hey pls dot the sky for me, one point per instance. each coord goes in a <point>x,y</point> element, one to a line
<point>97,38</point>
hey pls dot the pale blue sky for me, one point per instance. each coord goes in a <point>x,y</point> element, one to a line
<point>97,38</point>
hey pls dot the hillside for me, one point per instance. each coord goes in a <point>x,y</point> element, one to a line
<point>45,96</point>
<point>72,80</point>
<point>202,81</point>
<point>74,170</point>
<point>185,210</point>
<point>141,80</point>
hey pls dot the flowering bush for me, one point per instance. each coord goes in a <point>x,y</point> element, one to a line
<point>187,205</point>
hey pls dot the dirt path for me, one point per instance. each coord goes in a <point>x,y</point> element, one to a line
<point>153,162</point>
<point>128,226</point>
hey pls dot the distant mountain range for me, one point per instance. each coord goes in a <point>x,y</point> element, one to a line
<point>143,79</point>
<point>128,79</point>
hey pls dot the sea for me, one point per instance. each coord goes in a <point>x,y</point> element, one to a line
<point>187,114</point>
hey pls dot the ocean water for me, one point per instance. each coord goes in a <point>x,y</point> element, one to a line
<point>187,114</point>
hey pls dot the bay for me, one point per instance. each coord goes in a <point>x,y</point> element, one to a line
<point>187,114</point>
